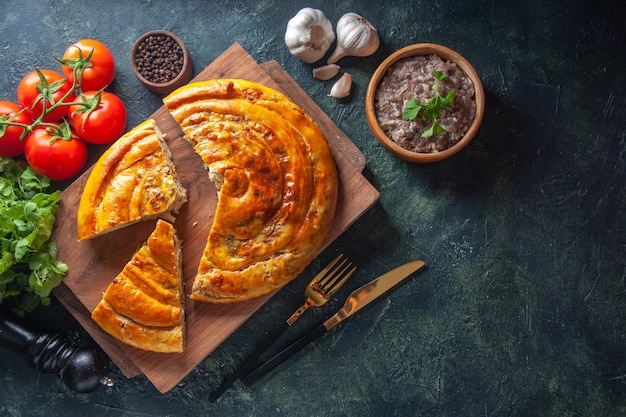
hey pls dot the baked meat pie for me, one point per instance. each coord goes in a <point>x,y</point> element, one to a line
<point>144,305</point>
<point>277,185</point>
<point>133,180</point>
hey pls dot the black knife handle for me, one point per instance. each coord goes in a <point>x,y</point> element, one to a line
<point>247,364</point>
<point>285,354</point>
<point>82,370</point>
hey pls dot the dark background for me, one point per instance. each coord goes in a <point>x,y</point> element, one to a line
<point>521,311</point>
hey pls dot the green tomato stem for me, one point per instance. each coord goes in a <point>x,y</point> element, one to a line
<point>47,98</point>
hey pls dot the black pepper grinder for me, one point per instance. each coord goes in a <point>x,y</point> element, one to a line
<point>82,370</point>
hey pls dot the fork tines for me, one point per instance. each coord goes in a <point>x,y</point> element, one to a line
<point>333,276</point>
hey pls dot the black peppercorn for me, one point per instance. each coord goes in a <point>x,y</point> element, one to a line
<point>159,58</point>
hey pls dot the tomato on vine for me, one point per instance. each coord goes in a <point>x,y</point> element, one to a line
<point>41,89</point>
<point>55,152</point>
<point>92,62</point>
<point>11,135</point>
<point>99,117</point>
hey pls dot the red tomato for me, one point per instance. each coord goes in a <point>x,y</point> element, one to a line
<point>97,70</point>
<point>102,121</point>
<point>29,94</point>
<point>10,143</point>
<point>57,158</point>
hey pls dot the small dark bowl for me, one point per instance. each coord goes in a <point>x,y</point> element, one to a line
<point>181,79</point>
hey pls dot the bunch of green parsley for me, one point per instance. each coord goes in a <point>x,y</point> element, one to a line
<point>29,268</point>
<point>430,110</point>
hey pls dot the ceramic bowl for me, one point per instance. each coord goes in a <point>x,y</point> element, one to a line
<point>446,54</point>
<point>163,87</point>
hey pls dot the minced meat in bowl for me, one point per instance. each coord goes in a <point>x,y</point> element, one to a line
<point>413,77</point>
<point>415,73</point>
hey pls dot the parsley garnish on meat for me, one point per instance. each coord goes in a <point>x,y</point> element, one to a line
<point>430,110</point>
<point>29,268</point>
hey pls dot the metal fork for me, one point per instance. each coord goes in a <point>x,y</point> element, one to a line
<point>326,283</point>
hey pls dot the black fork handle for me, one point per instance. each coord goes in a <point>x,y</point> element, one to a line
<point>248,362</point>
<point>285,354</point>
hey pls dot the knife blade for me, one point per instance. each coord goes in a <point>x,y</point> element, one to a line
<point>355,302</point>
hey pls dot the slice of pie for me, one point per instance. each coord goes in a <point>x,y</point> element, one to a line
<point>133,180</point>
<point>277,185</point>
<point>144,306</point>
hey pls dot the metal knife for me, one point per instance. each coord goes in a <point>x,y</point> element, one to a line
<point>356,301</point>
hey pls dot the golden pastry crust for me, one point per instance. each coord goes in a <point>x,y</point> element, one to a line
<point>277,185</point>
<point>143,306</point>
<point>133,180</point>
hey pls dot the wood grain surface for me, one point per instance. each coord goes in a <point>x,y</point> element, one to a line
<point>94,263</point>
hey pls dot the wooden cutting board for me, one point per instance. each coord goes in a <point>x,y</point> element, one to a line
<point>94,263</point>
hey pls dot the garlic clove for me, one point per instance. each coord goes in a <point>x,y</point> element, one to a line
<point>326,72</point>
<point>356,36</point>
<point>309,34</point>
<point>342,87</point>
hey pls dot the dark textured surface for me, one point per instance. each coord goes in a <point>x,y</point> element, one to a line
<point>521,311</point>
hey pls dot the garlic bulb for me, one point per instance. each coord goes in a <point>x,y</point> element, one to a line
<point>342,87</point>
<point>326,72</point>
<point>309,34</point>
<point>355,37</point>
